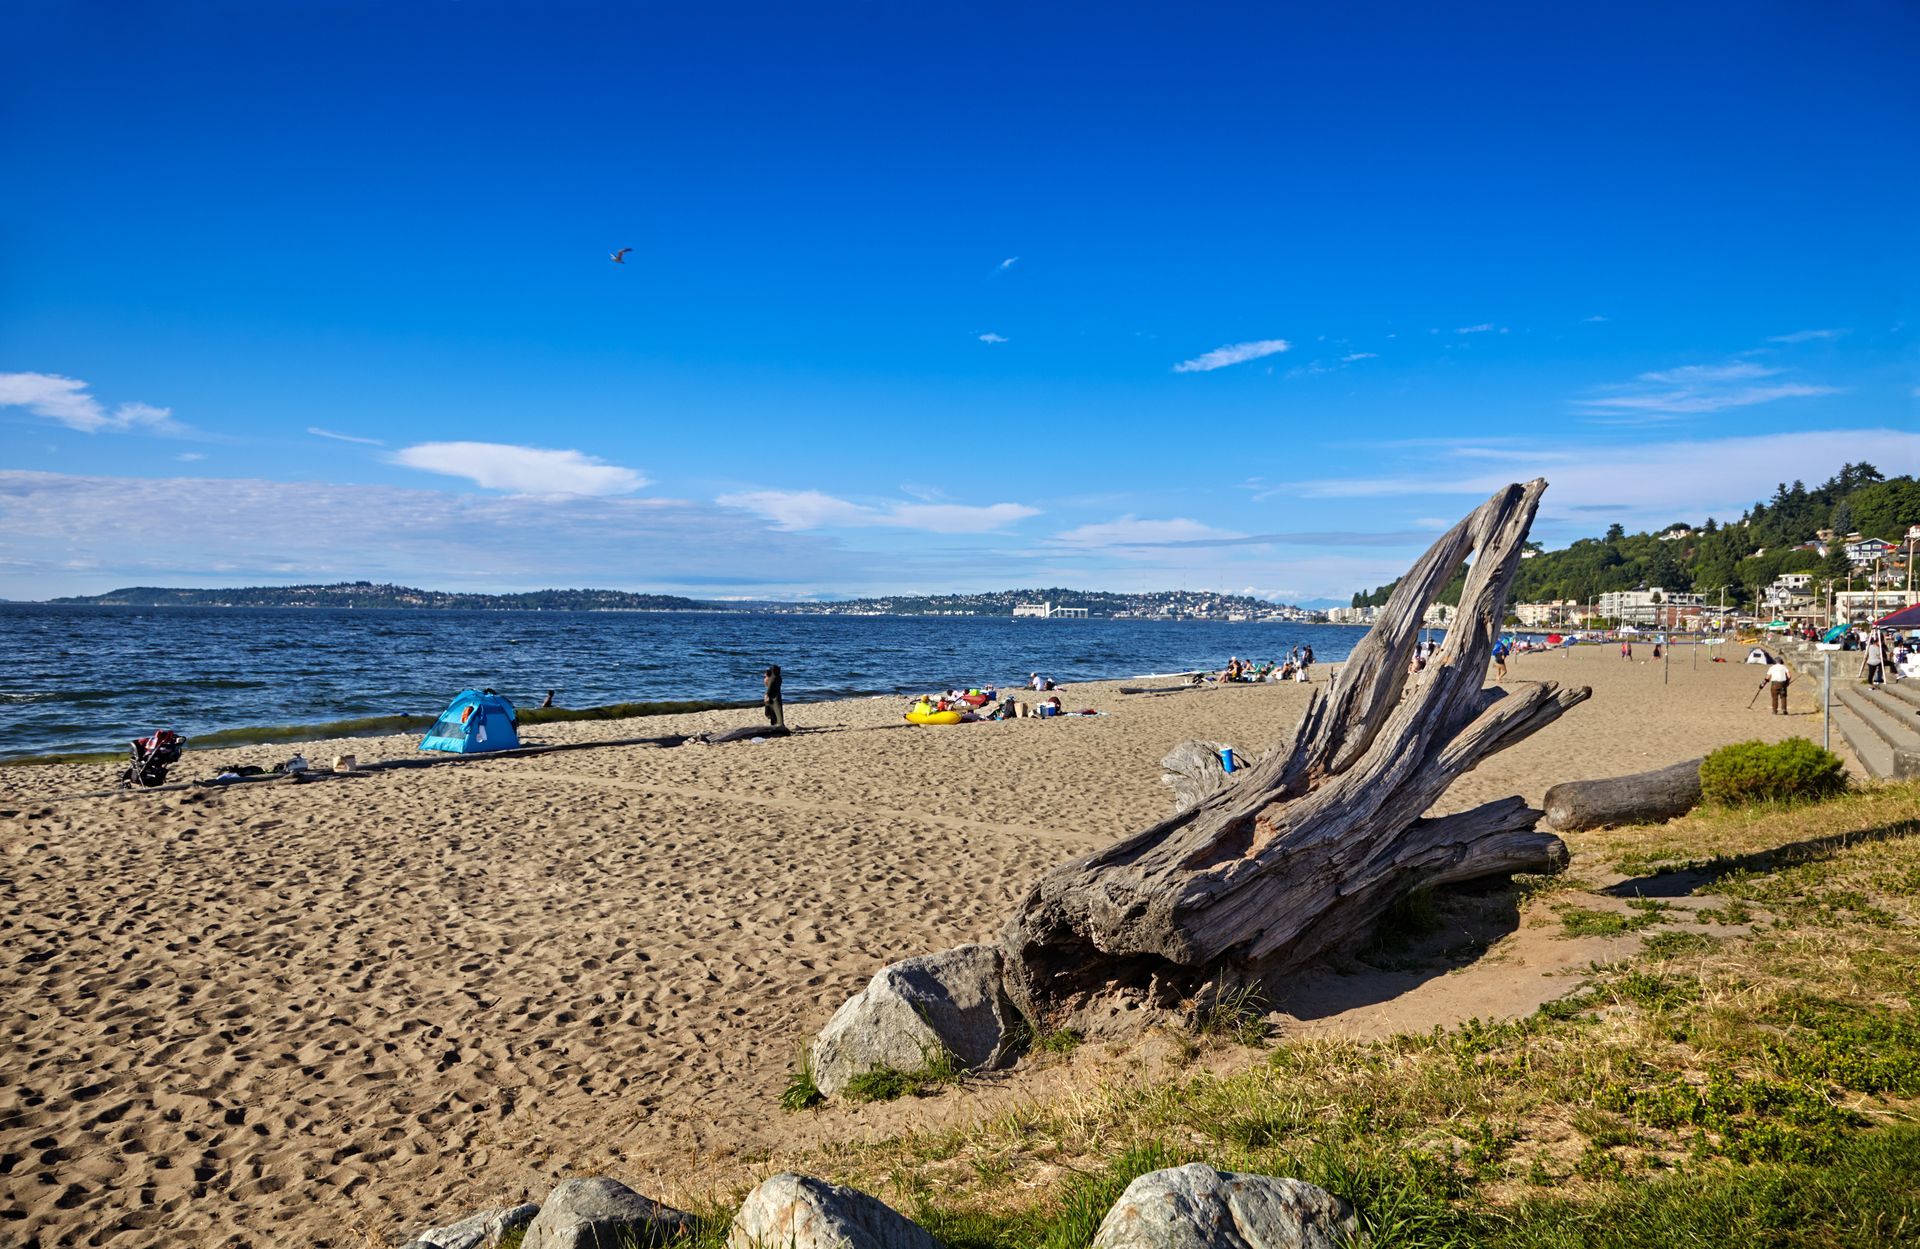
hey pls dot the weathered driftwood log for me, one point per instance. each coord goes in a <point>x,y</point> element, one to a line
<point>1304,852</point>
<point>1194,770</point>
<point>1642,798</point>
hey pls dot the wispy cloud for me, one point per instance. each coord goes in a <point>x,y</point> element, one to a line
<point>61,533</point>
<point>814,509</point>
<point>1593,320</point>
<point>1358,356</point>
<point>1133,531</point>
<point>1805,336</point>
<point>991,337</point>
<point>188,457</point>
<point>1007,264</point>
<point>317,432</point>
<point>1485,327</point>
<point>1654,482</point>
<point>1233,353</point>
<point>1696,389</point>
<point>65,401</point>
<point>522,470</point>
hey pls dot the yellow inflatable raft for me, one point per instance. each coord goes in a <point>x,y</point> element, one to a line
<point>934,717</point>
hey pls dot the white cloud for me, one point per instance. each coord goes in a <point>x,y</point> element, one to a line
<point>1695,389</point>
<point>188,457</point>
<point>813,509</point>
<point>1655,482</point>
<point>1805,336</point>
<point>65,400</point>
<point>81,534</point>
<point>1132,531</point>
<point>1482,328</point>
<point>1233,353</point>
<point>1007,264</point>
<point>317,432</point>
<point>1593,320</point>
<point>991,337</point>
<point>1359,355</point>
<point>1702,374</point>
<point>522,470</point>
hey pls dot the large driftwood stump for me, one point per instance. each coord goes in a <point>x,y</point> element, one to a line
<point>1303,853</point>
<point>1643,798</point>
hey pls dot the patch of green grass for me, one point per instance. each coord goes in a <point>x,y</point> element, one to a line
<point>883,1084</point>
<point>801,1092</point>
<point>1580,921</point>
<point>1239,1015</point>
<point>1864,1196</point>
<point>1057,1041</point>
<point>1675,944</point>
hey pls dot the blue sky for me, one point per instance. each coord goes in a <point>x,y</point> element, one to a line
<point>926,300</point>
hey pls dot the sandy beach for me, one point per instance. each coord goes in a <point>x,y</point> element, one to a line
<point>336,1012</point>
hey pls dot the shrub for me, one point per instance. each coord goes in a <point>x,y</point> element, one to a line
<point>1749,772</point>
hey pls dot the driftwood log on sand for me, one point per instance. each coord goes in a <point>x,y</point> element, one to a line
<point>1307,848</point>
<point>1643,798</point>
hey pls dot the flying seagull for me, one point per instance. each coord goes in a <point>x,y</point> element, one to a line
<point>620,257</point>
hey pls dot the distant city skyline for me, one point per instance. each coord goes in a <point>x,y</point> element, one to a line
<point>927,303</point>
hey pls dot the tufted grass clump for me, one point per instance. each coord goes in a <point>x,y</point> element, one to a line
<point>1794,770</point>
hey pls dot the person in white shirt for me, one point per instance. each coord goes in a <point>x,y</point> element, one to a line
<point>1779,677</point>
<point>1876,659</point>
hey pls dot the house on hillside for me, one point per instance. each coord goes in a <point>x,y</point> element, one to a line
<point>1867,550</point>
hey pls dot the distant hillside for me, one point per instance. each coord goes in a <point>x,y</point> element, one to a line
<point>1002,602</point>
<point>1738,556</point>
<point>367,594</point>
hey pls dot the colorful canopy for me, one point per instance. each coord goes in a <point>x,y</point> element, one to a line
<point>1905,618</point>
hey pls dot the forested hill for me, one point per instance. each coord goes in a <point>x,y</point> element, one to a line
<point>1718,554</point>
<point>367,594</point>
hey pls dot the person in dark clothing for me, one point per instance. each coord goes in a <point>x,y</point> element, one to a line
<point>776,713</point>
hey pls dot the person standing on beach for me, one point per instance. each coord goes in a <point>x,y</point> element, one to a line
<point>1876,659</point>
<point>1779,677</point>
<point>776,711</point>
<point>1626,648</point>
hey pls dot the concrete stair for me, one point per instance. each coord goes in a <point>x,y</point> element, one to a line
<point>1881,724</point>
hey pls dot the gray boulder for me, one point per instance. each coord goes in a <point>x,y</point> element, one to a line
<point>479,1231</point>
<point>1197,1207</point>
<point>600,1213</point>
<point>799,1212</point>
<point>954,1000</point>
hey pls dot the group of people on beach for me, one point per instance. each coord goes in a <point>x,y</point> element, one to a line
<point>1293,667</point>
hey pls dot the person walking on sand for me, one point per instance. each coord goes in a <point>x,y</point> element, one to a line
<point>1779,677</point>
<point>775,709</point>
<point>1500,649</point>
<point>1626,649</point>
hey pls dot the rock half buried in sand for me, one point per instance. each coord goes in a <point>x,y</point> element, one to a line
<point>479,1231</point>
<point>600,1213</point>
<point>1197,1207</point>
<point>910,1012</point>
<point>799,1212</point>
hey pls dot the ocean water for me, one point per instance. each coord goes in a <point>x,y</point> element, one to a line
<point>92,678</point>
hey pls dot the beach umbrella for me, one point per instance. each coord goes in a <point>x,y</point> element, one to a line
<point>1779,624</point>
<point>1905,618</point>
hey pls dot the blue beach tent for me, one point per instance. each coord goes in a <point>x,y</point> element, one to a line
<point>474,722</point>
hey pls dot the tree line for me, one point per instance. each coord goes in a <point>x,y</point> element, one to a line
<point>1738,557</point>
